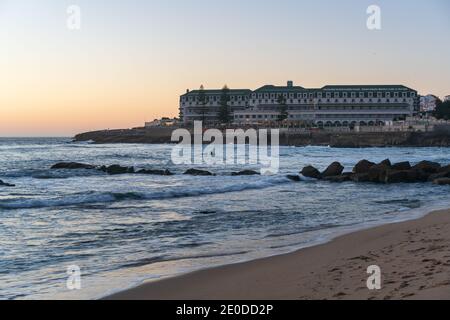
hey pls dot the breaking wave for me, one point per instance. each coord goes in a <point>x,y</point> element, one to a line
<point>109,197</point>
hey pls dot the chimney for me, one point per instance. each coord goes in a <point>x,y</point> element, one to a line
<point>290,84</point>
<point>187,90</point>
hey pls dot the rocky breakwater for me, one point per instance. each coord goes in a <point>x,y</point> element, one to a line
<point>383,172</point>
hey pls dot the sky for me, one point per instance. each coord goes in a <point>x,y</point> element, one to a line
<point>131,60</point>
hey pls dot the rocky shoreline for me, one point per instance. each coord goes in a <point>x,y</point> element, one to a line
<point>364,171</point>
<point>437,138</point>
<point>384,172</point>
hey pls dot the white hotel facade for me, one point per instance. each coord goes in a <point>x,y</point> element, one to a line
<point>346,105</point>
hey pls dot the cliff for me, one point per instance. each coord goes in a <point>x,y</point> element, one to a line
<point>321,138</point>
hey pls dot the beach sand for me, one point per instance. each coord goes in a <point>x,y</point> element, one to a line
<point>414,258</point>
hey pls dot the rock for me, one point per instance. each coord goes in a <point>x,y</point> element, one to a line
<point>246,173</point>
<point>428,167</point>
<point>442,181</point>
<point>335,169</point>
<point>310,172</point>
<point>196,172</point>
<point>445,169</point>
<point>72,166</point>
<point>155,172</point>
<point>363,166</point>
<point>419,175</point>
<point>116,169</point>
<point>294,178</point>
<point>386,162</point>
<point>360,177</point>
<point>399,176</point>
<point>443,173</point>
<point>4,184</point>
<point>377,173</point>
<point>341,178</point>
<point>401,166</point>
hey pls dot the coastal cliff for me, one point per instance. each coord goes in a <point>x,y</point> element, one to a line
<point>439,138</point>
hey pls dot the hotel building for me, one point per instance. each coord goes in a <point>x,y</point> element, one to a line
<point>337,105</point>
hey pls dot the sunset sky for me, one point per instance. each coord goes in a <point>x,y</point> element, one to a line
<point>132,59</point>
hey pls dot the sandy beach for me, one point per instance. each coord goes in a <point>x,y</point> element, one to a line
<point>414,258</point>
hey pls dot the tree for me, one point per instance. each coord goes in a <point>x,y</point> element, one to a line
<point>224,110</point>
<point>202,100</point>
<point>282,108</point>
<point>442,110</point>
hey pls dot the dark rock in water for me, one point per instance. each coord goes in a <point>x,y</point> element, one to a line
<point>72,166</point>
<point>419,175</point>
<point>196,172</point>
<point>4,184</point>
<point>399,176</point>
<point>386,162</point>
<point>378,172</point>
<point>294,178</point>
<point>116,169</point>
<point>401,166</point>
<point>341,178</point>
<point>428,166</point>
<point>442,181</point>
<point>445,169</point>
<point>444,172</point>
<point>155,172</point>
<point>310,172</point>
<point>246,173</point>
<point>360,177</point>
<point>363,166</point>
<point>335,169</point>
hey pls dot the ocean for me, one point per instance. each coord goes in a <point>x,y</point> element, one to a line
<point>125,229</point>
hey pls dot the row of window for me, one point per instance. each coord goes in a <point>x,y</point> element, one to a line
<point>291,101</point>
<point>331,116</point>
<point>327,95</point>
<point>356,116</point>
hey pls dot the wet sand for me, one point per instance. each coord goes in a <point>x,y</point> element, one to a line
<point>414,258</point>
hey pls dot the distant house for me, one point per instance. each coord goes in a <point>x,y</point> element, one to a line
<point>163,122</point>
<point>428,103</point>
<point>447,98</point>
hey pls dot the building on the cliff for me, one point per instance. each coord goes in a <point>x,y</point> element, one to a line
<point>337,105</point>
<point>428,103</point>
<point>447,98</point>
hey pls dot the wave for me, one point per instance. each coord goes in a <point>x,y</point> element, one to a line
<point>50,174</point>
<point>149,261</point>
<point>109,197</point>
